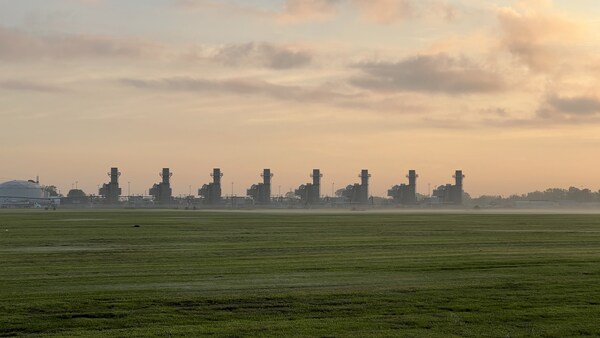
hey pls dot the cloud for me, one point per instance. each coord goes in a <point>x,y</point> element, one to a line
<point>428,73</point>
<point>535,34</point>
<point>380,11</point>
<point>224,6</point>
<point>19,45</point>
<point>393,11</point>
<point>386,11</point>
<point>308,10</point>
<point>20,85</point>
<point>263,55</point>
<point>556,106</point>
<point>238,86</point>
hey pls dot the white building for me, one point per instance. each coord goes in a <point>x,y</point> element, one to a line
<point>21,193</point>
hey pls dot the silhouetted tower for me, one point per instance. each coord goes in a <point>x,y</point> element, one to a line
<point>363,197</point>
<point>451,194</point>
<point>412,187</point>
<point>358,193</point>
<point>162,191</point>
<point>217,175</point>
<point>266,193</point>
<point>405,194</point>
<point>261,192</point>
<point>457,192</point>
<point>212,191</point>
<point>111,191</point>
<point>316,186</point>
<point>310,193</point>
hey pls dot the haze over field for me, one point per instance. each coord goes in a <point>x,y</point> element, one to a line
<point>507,91</point>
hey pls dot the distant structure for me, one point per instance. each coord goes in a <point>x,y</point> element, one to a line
<point>405,194</point>
<point>162,191</point>
<point>111,191</point>
<point>451,194</point>
<point>212,192</point>
<point>21,194</point>
<point>358,193</point>
<point>310,193</point>
<point>261,192</point>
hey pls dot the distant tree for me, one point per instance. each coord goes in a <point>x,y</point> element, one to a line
<point>76,193</point>
<point>51,190</point>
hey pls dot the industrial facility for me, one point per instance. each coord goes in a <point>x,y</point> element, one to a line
<point>405,194</point>
<point>261,192</point>
<point>162,191</point>
<point>211,192</point>
<point>110,191</point>
<point>358,193</point>
<point>310,193</point>
<point>20,193</point>
<point>451,194</point>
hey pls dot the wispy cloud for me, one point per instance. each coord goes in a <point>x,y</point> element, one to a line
<point>303,11</point>
<point>308,10</point>
<point>386,11</point>
<point>266,55</point>
<point>429,73</point>
<point>239,86</point>
<point>225,6</point>
<point>537,35</point>
<point>20,45</point>
<point>30,86</point>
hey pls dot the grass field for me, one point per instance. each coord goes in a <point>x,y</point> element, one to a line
<point>91,273</point>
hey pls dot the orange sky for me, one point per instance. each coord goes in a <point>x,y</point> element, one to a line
<point>507,91</point>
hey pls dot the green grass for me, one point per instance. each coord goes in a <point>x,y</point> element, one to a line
<point>91,273</point>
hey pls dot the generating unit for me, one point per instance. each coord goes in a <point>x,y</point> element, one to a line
<point>162,191</point>
<point>403,193</point>
<point>212,192</point>
<point>111,191</point>
<point>358,193</point>
<point>261,192</point>
<point>451,194</point>
<point>310,193</point>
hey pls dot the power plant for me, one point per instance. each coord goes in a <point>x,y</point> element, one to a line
<point>310,193</point>
<point>111,191</point>
<point>306,195</point>
<point>358,193</point>
<point>212,192</point>
<point>261,192</point>
<point>451,194</point>
<point>405,194</point>
<point>162,191</point>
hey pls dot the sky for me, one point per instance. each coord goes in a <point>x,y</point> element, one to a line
<point>507,91</point>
